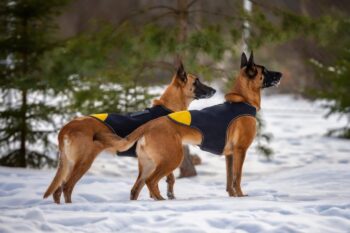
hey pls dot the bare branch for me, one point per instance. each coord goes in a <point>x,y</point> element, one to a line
<point>162,7</point>
<point>268,7</point>
<point>170,10</point>
<point>217,13</point>
<point>155,18</point>
<point>190,4</point>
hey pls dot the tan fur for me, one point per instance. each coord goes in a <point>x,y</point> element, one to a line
<point>161,141</point>
<point>84,138</point>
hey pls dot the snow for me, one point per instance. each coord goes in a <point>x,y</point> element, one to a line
<point>304,188</point>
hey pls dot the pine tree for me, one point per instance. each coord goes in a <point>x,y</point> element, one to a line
<point>26,34</point>
<point>333,75</point>
<point>105,66</point>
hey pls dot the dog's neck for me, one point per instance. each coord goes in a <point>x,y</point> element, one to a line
<point>239,93</point>
<point>174,99</point>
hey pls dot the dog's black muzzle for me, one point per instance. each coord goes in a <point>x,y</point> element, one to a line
<point>271,78</point>
<point>203,91</point>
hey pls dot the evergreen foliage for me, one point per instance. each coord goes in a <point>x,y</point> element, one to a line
<point>25,114</point>
<point>334,75</point>
<point>103,71</point>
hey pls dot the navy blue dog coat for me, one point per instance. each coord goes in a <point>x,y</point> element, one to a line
<point>213,122</point>
<point>123,125</point>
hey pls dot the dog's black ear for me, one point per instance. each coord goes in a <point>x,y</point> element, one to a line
<point>251,70</point>
<point>251,60</point>
<point>244,60</point>
<point>181,73</point>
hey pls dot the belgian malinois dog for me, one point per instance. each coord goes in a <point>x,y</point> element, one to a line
<point>79,141</point>
<point>226,129</point>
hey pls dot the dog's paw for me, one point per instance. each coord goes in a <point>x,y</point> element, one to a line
<point>170,196</point>
<point>159,198</point>
<point>232,193</point>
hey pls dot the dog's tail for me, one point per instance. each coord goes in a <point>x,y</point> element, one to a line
<point>61,174</point>
<point>117,144</point>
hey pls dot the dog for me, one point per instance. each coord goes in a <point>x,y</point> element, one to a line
<point>79,141</point>
<point>226,129</point>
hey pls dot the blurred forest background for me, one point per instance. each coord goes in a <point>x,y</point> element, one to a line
<point>63,58</point>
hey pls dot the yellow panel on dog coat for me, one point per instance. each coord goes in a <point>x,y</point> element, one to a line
<point>100,116</point>
<point>183,117</point>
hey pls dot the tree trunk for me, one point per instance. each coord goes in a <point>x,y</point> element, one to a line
<point>22,152</point>
<point>182,20</point>
<point>22,162</point>
<point>187,168</point>
<point>247,7</point>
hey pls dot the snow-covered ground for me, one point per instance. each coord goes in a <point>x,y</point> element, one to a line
<point>305,188</point>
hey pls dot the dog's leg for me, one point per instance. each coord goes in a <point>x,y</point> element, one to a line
<point>165,159</point>
<point>145,168</point>
<point>135,191</point>
<point>229,175</point>
<point>80,168</point>
<point>63,170</point>
<point>57,194</point>
<point>238,157</point>
<point>78,171</point>
<point>170,179</point>
<point>152,182</point>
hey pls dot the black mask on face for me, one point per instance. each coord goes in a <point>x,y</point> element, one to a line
<point>202,91</point>
<point>271,78</point>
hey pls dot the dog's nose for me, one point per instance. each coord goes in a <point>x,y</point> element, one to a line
<point>278,75</point>
<point>213,91</point>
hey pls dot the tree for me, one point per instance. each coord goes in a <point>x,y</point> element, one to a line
<point>333,75</point>
<point>26,29</point>
<point>105,69</point>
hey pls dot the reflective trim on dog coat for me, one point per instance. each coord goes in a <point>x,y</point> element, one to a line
<point>213,122</point>
<point>123,125</point>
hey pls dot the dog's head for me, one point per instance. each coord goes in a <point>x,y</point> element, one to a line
<point>191,86</point>
<point>257,76</point>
